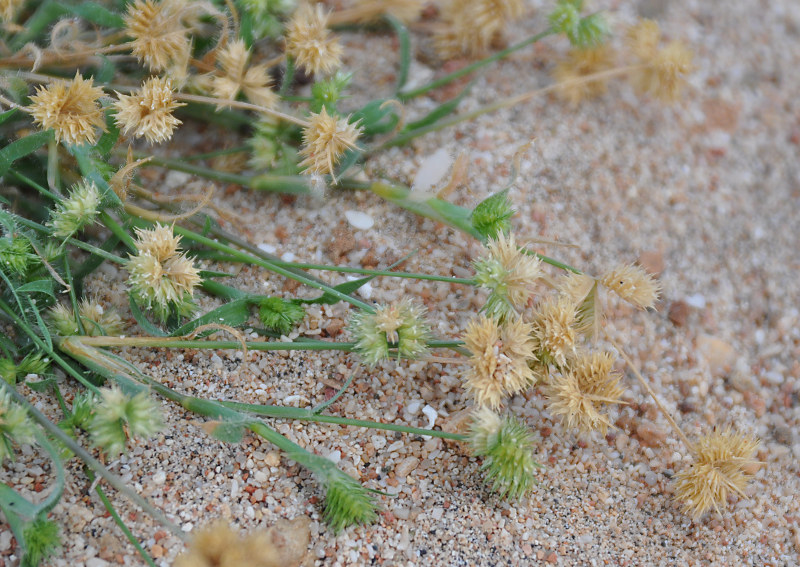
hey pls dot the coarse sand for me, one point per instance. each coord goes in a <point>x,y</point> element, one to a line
<point>705,192</point>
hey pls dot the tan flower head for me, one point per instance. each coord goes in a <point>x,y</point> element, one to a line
<point>582,389</point>
<point>217,545</point>
<point>633,284</point>
<point>325,139</point>
<point>642,39</point>
<point>148,113</point>
<point>236,76</point>
<point>406,11</point>
<point>472,25</point>
<point>308,41</point>
<point>159,242</point>
<point>571,74</point>
<point>663,71</point>
<point>723,464</point>
<point>160,36</point>
<point>499,361</point>
<point>9,9</point>
<point>508,273</point>
<point>554,330</point>
<point>70,108</point>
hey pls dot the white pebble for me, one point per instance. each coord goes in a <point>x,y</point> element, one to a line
<point>288,256</point>
<point>359,220</point>
<point>268,248</point>
<point>378,441</point>
<point>413,407</point>
<point>159,478</point>
<point>431,171</point>
<point>431,414</point>
<point>696,300</point>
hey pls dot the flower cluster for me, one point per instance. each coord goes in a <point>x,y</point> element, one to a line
<point>118,417</point>
<point>77,210</point>
<point>94,318</point>
<point>401,326</point>
<point>161,278</point>
<point>70,108</point>
<point>148,113</point>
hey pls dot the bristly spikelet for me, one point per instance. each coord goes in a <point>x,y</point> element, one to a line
<point>9,10</point>
<point>33,363</point>
<point>76,211</point>
<point>70,108</point>
<point>506,446</point>
<point>662,72</point>
<point>509,274</point>
<point>148,113</point>
<point>406,11</point>
<point>15,426</point>
<point>309,42</point>
<point>554,330</point>
<point>16,254</point>
<point>280,315</point>
<point>324,142</point>
<point>633,284</point>
<point>160,38</point>
<point>581,290</point>
<point>571,74</point>
<point>119,417</point>
<point>723,464</point>
<point>41,540</point>
<point>160,278</point>
<point>472,25</point>
<point>96,320</point>
<point>347,502</point>
<point>492,215</point>
<point>499,359</point>
<point>577,395</point>
<point>236,76</point>
<point>402,325</point>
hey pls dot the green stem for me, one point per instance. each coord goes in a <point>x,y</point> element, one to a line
<point>72,241</point>
<point>118,231</point>
<point>307,415</point>
<point>90,461</point>
<point>473,67</point>
<point>118,520</point>
<point>178,342</point>
<point>348,270</point>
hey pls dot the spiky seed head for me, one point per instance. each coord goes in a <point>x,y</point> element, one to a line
<point>347,502</point>
<point>119,417</point>
<point>325,140</point>
<point>159,241</point>
<point>16,254</point>
<point>723,463</point>
<point>148,114</point>
<point>507,448</point>
<point>15,426</point>
<point>280,315</point>
<point>99,320</point>
<point>499,359</point>
<point>213,545</point>
<point>492,215</point>
<point>237,76</point>
<point>633,284</point>
<point>554,330</point>
<point>580,391</point>
<point>472,25</point>
<point>70,108</point>
<point>402,324</point>
<point>77,210</point>
<point>309,42</point>
<point>665,74</point>
<point>571,73</point>
<point>9,10</point>
<point>41,538</point>
<point>508,274</point>
<point>160,37</point>
<point>642,39</point>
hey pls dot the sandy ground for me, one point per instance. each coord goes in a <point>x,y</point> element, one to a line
<point>706,192</point>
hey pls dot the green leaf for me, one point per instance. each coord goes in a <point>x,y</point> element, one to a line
<point>106,72</point>
<point>227,431</point>
<point>7,114</point>
<point>97,14</point>
<point>447,107</point>
<point>405,50</point>
<point>21,148</point>
<point>144,323</point>
<point>38,286</point>
<point>375,118</point>
<point>109,138</point>
<point>232,314</point>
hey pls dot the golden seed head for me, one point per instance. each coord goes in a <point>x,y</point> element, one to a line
<point>554,330</point>
<point>472,25</point>
<point>148,113</point>
<point>642,39</point>
<point>575,286</point>
<point>485,425</point>
<point>571,73</point>
<point>9,9</point>
<point>160,37</point>
<point>508,273</point>
<point>723,464</point>
<point>325,140</point>
<point>633,284</point>
<point>406,11</point>
<point>499,361</point>
<point>70,108</point>
<point>309,42</point>
<point>159,242</point>
<point>578,393</point>
<point>236,76</point>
